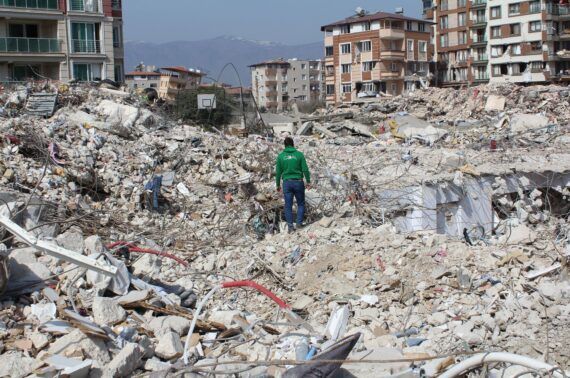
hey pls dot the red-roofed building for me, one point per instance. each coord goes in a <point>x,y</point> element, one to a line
<point>369,54</point>
<point>176,79</point>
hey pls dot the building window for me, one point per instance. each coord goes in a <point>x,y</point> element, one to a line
<point>346,88</point>
<point>497,70</point>
<point>345,29</point>
<point>462,37</point>
<point>116,36</point>
<point>444,40</point>
<point>495,31</point>
<point>422,27</point>
<point>443,5</point>
<point>394,67</point>
<point>346,68</point>
<point>304,88</point>
<point>443,22</point>
<point>368,66</point>
<point>85,38</point>
<point>461,3</point>
<point>534,6</point>
<point>422,46</point>
<point>330,89</point>
<point>303,77</point>
<point>366,26</point>
<point>495,12</point>
<point>516,49</point>
<point>303,66</point>
<point>329,50</point>
<point>535,26</point>
<point>461,56</point>
<point>345,48</point>
<point>367,87</point>
<point>496,51</point>
<point>118,72</point>
<point>536,46</point>
<point>84,6</point>
<point>330,70</point>
<point>86,72</point>
<point>536,66</point>
<point>116,4</point>
<point>409,25</point>
<point>514,9</point>
<point>366,46</point>
<point>515,29</point>
<point>461,19</point>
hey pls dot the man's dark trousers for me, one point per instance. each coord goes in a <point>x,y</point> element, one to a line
<point>294,188</point>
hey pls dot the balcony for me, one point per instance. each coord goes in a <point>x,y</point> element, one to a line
<point>30,4</point>
<point>80,46</point>
<point>479,21</point>
<point>479,39</point>
<point>556,10</point>
<point>87,6</point>
<point>392,33</point>
<point>30,45</point>
<point>481,77</point>
<point>481,58</point>
<point>478,4</point>
<point>392,54</point>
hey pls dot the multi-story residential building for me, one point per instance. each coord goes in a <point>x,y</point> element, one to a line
<point>371,53</point>
<point>460,40</point>
<point>507,41</point>
<point>142,79</point>
<point>173,80</point>
<point>270,85</point>
<point>305,80</point>
<point>275,83</point>
<point>61,40</point>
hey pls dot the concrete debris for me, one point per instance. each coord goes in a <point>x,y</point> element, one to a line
<point>438,222</point>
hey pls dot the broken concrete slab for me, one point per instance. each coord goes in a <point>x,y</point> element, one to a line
<point>169,346</point>
<point>108,312</point>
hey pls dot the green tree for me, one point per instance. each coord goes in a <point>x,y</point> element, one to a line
<point>186,107</point>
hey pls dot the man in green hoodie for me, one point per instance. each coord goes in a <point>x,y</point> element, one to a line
<point>291,166</point>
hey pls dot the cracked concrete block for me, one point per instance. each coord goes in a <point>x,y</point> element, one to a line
<point>107,312</point>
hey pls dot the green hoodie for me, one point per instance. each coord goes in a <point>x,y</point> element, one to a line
<point>291,165</point>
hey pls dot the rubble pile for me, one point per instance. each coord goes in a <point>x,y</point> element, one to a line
<point>133,244</point>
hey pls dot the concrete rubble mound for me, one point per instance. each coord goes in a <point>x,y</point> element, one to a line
<point>437,240</point>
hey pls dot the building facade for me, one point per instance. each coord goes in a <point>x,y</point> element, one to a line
<point>136,80</point>
<point>61,40</point>
<point>276,83</point>
<point>479,41</point>
<point>370,54</point>
<point>173,80</point>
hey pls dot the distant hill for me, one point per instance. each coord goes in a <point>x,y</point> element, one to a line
<point>211,55</point>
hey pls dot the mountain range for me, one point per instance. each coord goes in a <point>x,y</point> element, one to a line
<point>211,55</point>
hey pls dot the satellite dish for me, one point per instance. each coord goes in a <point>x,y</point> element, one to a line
<point>360,11</point>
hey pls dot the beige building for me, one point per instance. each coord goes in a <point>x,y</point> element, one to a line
<point>61,40</point>
<point>142,80</point>
<point>173,80</point>
<point>277,83</point>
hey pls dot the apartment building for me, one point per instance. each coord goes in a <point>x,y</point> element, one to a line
<point>61,40</point>
<point>276,83</point>
<point>305,80</point>
<point>142,79</point>
<point>371,53</point>
<point>173,80</point>
<point>496,41</point>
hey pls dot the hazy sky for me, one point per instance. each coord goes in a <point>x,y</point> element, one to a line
<point>285,21</point>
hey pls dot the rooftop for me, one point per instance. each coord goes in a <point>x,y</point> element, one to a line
<point>279,61</point>
<point>183,70</point>
<point>142,73</point>
<point>373,17</point>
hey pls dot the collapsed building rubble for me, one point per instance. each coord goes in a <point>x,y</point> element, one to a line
<point>438,230</point>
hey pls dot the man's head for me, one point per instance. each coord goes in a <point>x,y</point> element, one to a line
<point>289,142</point>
